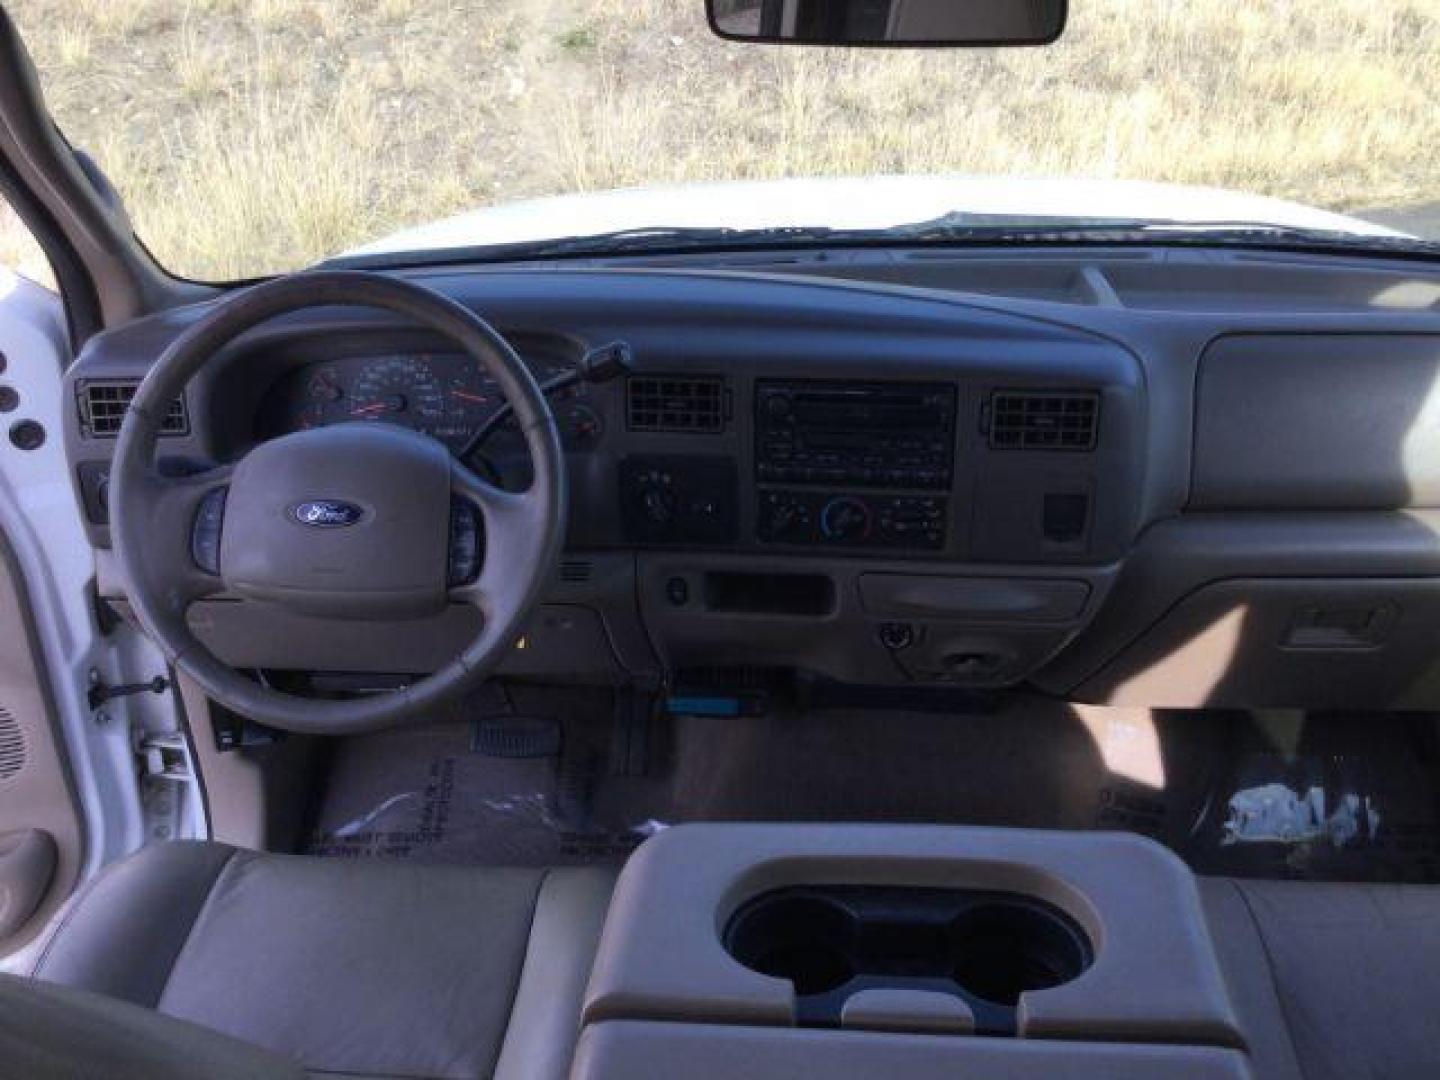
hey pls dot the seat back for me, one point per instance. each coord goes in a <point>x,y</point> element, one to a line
<point>49,1031</point>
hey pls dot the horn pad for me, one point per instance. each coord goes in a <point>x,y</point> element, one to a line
<point>349,521</point>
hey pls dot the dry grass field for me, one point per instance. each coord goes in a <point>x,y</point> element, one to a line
<point>257,135</point>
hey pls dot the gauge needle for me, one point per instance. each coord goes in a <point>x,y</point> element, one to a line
<point>465,395</point>
<point>365,410</point>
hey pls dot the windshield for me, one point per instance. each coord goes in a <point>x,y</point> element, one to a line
<point>250,137</point>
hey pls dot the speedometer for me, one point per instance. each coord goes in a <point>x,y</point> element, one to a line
<point>470,397</point>
<point>399,390</point>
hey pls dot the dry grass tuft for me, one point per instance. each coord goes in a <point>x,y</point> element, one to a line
<point>258,135</point>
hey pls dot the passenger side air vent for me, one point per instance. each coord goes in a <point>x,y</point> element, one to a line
<point>103,405</point>
<point>1043,420</point>
<point>12,745</point>
<point>676,403</point>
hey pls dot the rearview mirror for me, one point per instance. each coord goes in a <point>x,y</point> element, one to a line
<point>890,22</point>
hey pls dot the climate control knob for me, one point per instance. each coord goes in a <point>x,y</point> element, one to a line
<point>846,518</point>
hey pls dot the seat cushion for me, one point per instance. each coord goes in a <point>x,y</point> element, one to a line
<point>1353,970</point>
<point>367,967</point>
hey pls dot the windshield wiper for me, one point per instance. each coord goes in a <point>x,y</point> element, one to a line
<point>954,228</point>
<point>666,238</point>
<point>962,226</point>
<point>619,242</point>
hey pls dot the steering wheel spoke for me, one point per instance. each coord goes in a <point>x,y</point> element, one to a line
<point>183,513</point>
<point>510,541</point>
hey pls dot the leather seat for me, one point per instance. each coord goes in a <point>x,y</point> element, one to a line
<point>1331,981</point>
<point>365,967</point>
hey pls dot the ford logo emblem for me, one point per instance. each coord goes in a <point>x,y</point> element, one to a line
<point>326,513</point>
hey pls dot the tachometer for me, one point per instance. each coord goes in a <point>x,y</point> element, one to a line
<point>399,390</point>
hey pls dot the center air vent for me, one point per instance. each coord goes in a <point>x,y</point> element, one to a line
<point>1043,420</point>
<point>676,403</point>
<point>103,406</point>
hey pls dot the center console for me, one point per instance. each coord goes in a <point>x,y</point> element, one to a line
<point>857,951</point>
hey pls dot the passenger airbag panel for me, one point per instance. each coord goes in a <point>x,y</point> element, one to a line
<point>1312,421</point>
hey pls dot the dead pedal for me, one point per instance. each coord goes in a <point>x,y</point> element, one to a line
<point>516,737</point>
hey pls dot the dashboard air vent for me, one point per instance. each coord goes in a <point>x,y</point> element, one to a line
<point>676,403</point>
<point>103,405</point>
<point>1043,420</point>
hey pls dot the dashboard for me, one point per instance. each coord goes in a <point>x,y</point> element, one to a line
<point>1136,476</point>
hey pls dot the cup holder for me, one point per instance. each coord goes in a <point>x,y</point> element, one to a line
<point>830,942</point>
<point>1003,949</point>
<point>809,940</point>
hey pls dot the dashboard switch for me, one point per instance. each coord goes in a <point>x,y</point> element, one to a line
<point>679,499</point>
<point>677,591</point>
<point>1064,516</point>
<point>896,635</point>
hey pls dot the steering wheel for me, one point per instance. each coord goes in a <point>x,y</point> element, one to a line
<point>354,521</point>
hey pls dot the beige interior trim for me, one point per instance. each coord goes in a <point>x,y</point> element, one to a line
<point>629,1050</point>
<point>545,1017</point>
<point>36,791</point>
<point>254,798</point>
<point>1155,977</point>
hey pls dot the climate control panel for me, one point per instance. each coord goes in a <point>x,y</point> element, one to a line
<point>852,520</point>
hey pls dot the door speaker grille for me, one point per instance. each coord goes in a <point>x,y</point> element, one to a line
<point>12,745</point>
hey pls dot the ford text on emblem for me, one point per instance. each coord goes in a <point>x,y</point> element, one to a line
<point>326,513</point>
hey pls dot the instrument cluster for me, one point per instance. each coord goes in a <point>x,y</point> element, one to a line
<point>442,394</point>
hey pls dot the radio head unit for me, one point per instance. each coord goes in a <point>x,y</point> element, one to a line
<point>855,434</point>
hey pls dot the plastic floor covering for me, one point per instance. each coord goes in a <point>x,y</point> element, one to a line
<point>1334,797</point>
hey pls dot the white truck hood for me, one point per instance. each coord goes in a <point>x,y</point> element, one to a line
<point>874,202</point>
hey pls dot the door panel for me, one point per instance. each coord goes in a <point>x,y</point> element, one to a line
<point>35,789</point>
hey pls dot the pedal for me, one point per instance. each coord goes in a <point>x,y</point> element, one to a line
<point>516,737</point>
<point>632,731</point>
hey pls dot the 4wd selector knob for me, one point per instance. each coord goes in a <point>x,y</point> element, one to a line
<point>845,518</point>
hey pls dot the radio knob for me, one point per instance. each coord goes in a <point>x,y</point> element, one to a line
<point>845,518</point>
<point>779,406</point>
